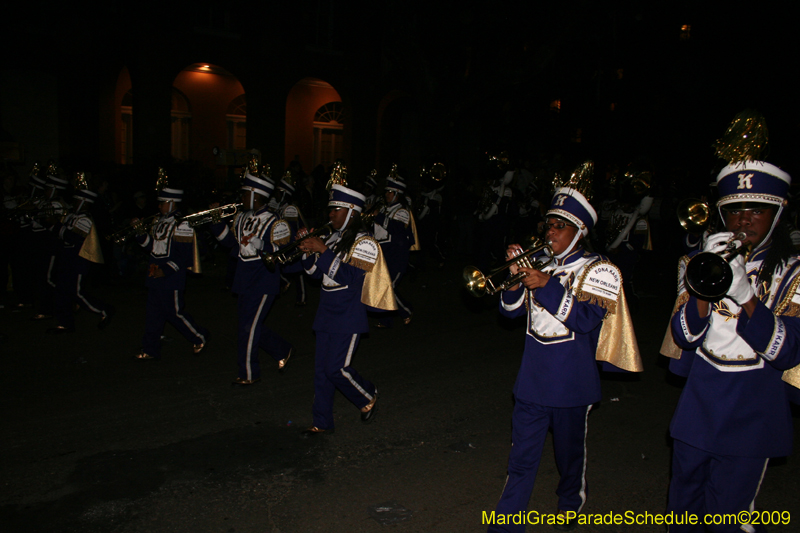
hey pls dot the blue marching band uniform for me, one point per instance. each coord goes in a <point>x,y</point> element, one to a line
<point>395,230</point>
<point>579,317</point>
<point>741,360</point>
<point>79,248</point>
<point>255,230</point>
<point>734,414</point>
<point>171,245</point>
<point>353,279</point>
<point>50,208</point>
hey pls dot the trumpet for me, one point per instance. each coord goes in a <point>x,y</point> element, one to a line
<point>214,214</point>
<point>140,227</point>
<point>708,275</point>
<point>292,251</point>
<point>479,284</point>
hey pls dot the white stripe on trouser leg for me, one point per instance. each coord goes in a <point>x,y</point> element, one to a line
<point>50,271</point>
<point>582,492</point>
<point>183,318</point>
<point>350,350</point>
<point>396,299</point>
<point>84,300</point>
<point>256,318</point>
<point>747,528</point>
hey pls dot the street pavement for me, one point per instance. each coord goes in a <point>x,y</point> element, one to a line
<point>95,441</point>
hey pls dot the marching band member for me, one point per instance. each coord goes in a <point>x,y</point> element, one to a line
<point>493,211</point>
<point>429,218</point>
<point>577,315</point>
<point>736,353</point>
<point>45,243</point>
<point>80,247</point>
<point>255,230</point>
<point>171,244</point>
<point>288,211</point>
<point>354,277</point>
<point>395,231</point>
<point>370,188</point>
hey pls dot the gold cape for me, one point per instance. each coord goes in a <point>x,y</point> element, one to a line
<point>91,247</point>
<point>414,247</point>
<point>617,342</point>
<point>196,268</point>
<point>378,291</point>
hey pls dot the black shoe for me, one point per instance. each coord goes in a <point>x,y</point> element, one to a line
<point>564,523</point>
<point>283,362</point>
<point>244,382</point>
<point>369,415</point>
<point>41,316</point>
<point>144,357</point>
<point>314,431</point>
<point>197,348</point>
<point>59,330</point>
<point>106,320</point>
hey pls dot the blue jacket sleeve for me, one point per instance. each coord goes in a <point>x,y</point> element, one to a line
<point>512,303</point>
<point>688,327</point>
<point>775,338</point>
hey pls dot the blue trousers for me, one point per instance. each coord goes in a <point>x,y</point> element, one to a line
<point>71,289</point>
<point>332,371</point>
<point>165,305</point>
<point>531,423</point>
<point>254,334</point>
<point>706,483</point>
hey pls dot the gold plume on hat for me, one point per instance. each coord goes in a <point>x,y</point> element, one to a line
<point>503,160</point>
<point>252,165</point>
<point>52,169</point>
<point>161,182</point>
<point>338,175</point>
<point>35,170</point>
<point>80,181</point>
<point>288,178</point>
<point>745,139</point>
<point>393,172</point>
<point>580,179</point>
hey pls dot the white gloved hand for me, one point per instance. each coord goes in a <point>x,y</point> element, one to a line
<point>740,291</point>
<point>258,243</point>
<point>717,242</point>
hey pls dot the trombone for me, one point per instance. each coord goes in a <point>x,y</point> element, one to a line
<point>292,252</point>
<point>479,284</point>
<point>214,214</point>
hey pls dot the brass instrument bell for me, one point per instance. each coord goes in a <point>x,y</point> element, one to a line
<point>479,284</point>
<point>694,215</point>
<point>708,275</point>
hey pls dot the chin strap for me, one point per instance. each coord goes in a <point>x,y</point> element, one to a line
<point>347,220</point>
<point>569,248</point>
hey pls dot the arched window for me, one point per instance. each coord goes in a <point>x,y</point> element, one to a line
<point>181,120</point>
<point>328,134</point>
<point>236,120</point>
